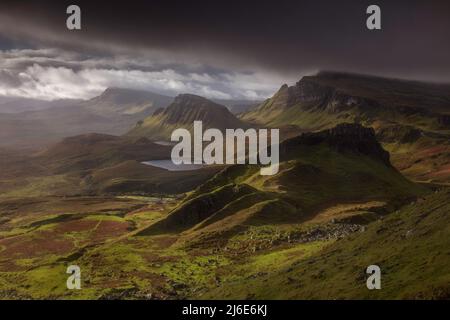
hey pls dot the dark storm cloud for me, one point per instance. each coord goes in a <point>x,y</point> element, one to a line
<point>285,35</point>
<point>223,44</point>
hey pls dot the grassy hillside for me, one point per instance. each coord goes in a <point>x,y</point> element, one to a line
<point>317,170</point>
<point>411,246</point>
<point>315,259</point>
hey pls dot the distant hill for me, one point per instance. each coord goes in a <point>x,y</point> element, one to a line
<point>185,109</point>
<point>238,106</point>
<point>18,104</point>
<point>94,150</point>
<point>116,101</point>
<point>115,111</point>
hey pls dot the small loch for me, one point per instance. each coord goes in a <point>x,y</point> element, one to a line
<point>170,166</point>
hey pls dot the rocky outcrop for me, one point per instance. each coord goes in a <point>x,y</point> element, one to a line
<point>343,138</point>
<point>310,94</point>
<point>305,91</point>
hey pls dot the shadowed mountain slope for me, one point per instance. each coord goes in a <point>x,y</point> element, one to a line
<point>185,109</point>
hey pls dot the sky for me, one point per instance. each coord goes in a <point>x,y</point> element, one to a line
<point>218,49</point>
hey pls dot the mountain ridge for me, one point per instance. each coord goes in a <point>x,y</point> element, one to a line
<point>364,96</point>
<point>410,118</point>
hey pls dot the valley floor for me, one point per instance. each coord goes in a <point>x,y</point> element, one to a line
<point>324,257</point>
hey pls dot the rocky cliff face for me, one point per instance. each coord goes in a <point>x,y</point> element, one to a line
<point>309,93</point>
<point>350,96</point>
<point>303,91</point>
<point>343,138</point>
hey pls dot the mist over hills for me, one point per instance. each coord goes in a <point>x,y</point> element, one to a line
<point>18,105</point>
<point>127,102</point>
<point>30,123</point>
<point>113,112</point>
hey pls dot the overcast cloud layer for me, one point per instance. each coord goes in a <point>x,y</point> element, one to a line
<point>219,49</point>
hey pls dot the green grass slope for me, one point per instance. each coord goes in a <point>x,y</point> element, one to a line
<point>317,170</point>
<point>411,246</point>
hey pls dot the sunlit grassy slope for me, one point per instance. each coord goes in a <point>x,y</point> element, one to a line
<point>312,176</point>
<point>411,246</point>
